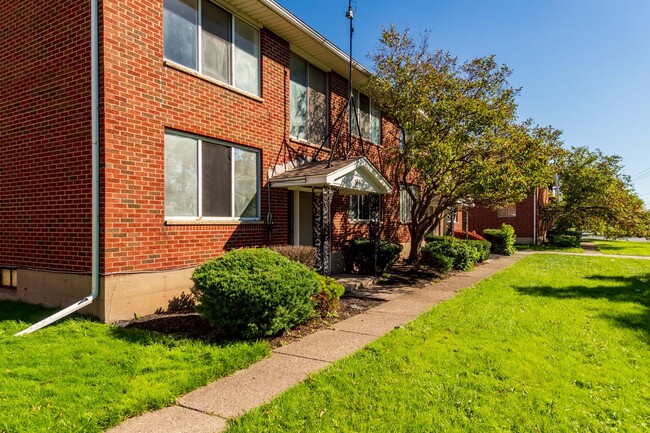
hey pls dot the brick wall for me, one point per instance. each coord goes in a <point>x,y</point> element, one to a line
<point>484,218</point>
<point>45,145</point>
<point>45,141</point>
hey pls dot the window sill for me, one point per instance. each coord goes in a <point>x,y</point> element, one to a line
<point>211,80</point>
<point>210,222</point>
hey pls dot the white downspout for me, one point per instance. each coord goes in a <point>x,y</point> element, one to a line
<point>94,84</point>
<point>535,217</point>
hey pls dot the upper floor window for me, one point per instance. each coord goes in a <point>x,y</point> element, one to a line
<point>308,101</point>
<point>369,118</point>
<point>507,212</point>
<point>202,36</point>
<point>207,178</point>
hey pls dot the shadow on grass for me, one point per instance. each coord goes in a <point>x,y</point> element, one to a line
<point>634,290</point>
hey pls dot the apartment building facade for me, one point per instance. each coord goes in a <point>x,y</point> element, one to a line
<point>214,119</point>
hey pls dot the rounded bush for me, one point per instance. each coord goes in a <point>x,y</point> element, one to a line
<point>566,241</point>
<point>254,292</point>
<point>502,240</point>
<point>360,256</point>
<point>329,293</point>
<point>436,260</point>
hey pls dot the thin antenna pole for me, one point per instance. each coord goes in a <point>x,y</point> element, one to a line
<point>350,15</point>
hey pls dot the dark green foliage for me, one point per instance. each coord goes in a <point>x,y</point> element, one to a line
<point>502,240</point>
<point>436,260</point>
<point>575,233</point>
<point>330,292</point>
<point>566,241</point>
<point>360,256</point>
<point>483,248</point>
<point>463,254</point>
<point>434,238</point>
<point>255,292</point>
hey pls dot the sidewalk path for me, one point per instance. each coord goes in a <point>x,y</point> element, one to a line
<point>208,409</point>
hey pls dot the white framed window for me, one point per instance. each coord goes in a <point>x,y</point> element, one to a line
<point>210,179</point>
<point>406,203</point>
<point>202,36</point>
<point>369,117</point>
<point>361,209</point>
<point>309,106</point>
<point>507,211</point>
<point>452,216</point>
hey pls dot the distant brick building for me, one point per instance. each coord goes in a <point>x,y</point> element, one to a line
<point>202,105</point>
<point>523,216</point>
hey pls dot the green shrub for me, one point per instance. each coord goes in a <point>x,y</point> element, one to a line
<point>254,292</point>
<point>461,252</point>
<point>483,248</point>
<point>575,233</point>
<point>502,240</point>
<point>330,292</point>
<point>566,241</point>
<point>360,256</point>
<point>436,260</point>
<point>436,238</point>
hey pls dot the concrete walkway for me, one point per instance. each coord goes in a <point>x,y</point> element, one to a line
<point>208,409</point>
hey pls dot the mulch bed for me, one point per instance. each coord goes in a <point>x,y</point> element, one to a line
<point>187,323</point>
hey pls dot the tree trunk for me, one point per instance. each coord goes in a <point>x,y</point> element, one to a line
<point>416,243</point>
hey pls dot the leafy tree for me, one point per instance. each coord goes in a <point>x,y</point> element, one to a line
<point>595,195</point>
<point>460,138</point>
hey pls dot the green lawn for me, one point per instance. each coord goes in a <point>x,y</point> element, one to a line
<point>83,376</point>
<point>552,344</point>
<point>626,248</point>
<point>543,248</point>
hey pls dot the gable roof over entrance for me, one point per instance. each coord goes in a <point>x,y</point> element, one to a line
<point>352,177</point>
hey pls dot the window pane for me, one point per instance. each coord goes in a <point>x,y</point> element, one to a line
<point>364,116</point>
<point>247,65</point>
<point>317,105</point>
<point>180,28</point>
<point>246,183</point>
<point>215,41</point>
<point>217,180</point>
<point>354,207</point>
<point>298,92</point>
<point>364,207</point>
<point>353,113</point>
<point>181,174</point>
<point>375,124</point>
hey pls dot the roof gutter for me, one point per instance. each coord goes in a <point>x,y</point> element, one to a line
<point>300,25</point>
<point>94,84</point>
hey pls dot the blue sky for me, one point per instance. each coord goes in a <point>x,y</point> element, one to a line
<point>583,65</point>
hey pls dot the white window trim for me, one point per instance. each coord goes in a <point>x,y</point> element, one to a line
<point>172,219</point>
<point>231,72</point>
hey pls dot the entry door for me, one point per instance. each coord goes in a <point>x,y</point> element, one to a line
<point>303,218</point>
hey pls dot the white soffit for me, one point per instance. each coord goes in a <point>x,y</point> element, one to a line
<point>282,22</point>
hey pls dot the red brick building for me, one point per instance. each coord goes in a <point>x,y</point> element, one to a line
<point>207,109</point>
<point>523,216</point>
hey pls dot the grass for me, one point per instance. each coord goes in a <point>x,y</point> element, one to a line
<point>83,376</point>
<point>551,344</point>
<point>627,248</point>
<point>549,248</point>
